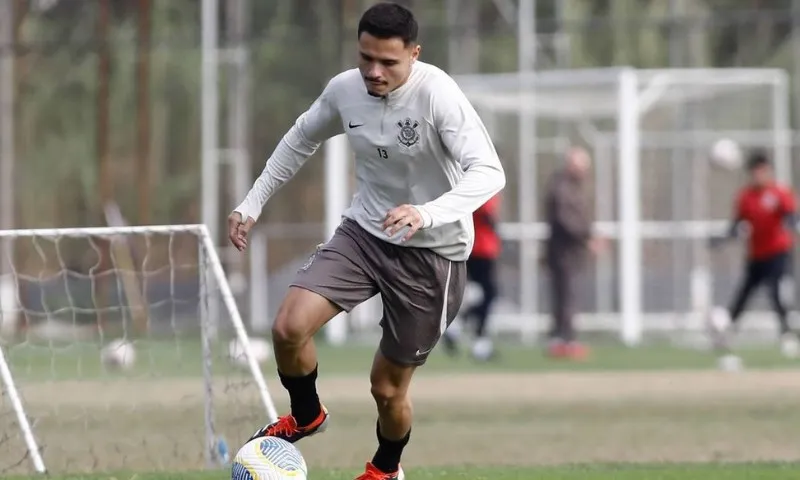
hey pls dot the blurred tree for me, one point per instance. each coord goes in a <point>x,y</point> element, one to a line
<point>293,54</point>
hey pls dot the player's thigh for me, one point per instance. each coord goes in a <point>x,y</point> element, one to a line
<point>422,293</point>
<point>781,265</point>
<point>335,278</point>
<point>301,314</point>
<point>778,269</point>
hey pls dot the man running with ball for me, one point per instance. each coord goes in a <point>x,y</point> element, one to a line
<point>424,162</point>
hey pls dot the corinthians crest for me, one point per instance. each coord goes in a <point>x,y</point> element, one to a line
<point>408,135</point>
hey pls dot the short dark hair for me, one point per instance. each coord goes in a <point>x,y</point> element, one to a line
<point>389,20</point>
<point>758,158</point>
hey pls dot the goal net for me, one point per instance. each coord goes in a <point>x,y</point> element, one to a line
<point>653,190</point>
<point>182,381</point>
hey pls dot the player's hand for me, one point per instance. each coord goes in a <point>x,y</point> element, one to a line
<point>716,242</point>
<point>401,217</point>
<point>238,230</point>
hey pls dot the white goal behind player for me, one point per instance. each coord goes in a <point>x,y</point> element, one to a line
<point>656,195</point>
<point>64,410</point>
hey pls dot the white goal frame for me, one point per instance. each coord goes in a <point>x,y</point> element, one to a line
<point>208,319</point>
<point>636,91</point>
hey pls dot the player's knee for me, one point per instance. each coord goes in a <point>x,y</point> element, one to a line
<point>387,394</point>
<point>299,318</point>
<point>286,331</point>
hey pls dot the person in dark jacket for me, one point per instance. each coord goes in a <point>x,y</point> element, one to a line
<point>567,213</point>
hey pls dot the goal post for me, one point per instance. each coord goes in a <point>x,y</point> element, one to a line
<point>653,191</point>
<point>193,381</point>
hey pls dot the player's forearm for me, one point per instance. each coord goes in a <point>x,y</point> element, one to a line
<point>290,154</point>
<point>733,228</point>
<point>479,184</point>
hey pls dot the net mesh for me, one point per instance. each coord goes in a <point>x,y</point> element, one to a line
<point>683,198</point>
<point>74,295</point>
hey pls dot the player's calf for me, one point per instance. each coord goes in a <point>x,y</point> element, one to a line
<point>389,387</point>
<point>301,315</point>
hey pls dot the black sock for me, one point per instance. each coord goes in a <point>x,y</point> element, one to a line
<point>303,396</point>
<point>387,458</point>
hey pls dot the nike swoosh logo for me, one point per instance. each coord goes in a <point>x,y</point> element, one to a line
<point>351,125</point>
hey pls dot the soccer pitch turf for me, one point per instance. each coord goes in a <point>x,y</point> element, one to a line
<point>752,471</point>
<point>522,417</point>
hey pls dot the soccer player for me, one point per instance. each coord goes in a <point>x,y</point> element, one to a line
<point>424,162</point>
<point>481,269</point>
<point>768,209</point>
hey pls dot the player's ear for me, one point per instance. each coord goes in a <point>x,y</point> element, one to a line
<point>415,49</point>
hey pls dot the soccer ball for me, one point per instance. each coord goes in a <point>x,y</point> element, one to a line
<point>725,153</point>
<point>269,458</point>
<point>260,348</point>
<point>118,354</point>
<point>730,363</point>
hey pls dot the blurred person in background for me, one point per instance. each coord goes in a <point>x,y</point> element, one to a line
<point>481,269</point>
<point>767,208</point>
<point>567,214</point>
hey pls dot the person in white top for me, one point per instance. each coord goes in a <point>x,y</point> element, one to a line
<point>424,162</point>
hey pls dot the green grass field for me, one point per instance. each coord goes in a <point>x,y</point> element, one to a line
<point>651,413</point>
<point>579,472</point>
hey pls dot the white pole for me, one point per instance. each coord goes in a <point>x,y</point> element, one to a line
<point>238,96</point>
<point>238,325</point>
<point>16,403</point>
<point>6,120</point>
<point>604,211</point>
<point>209,132</point>
<point>781,125</point>
<point>336,194</point>
<point>781,128</point>
<point>526,62</point>
<point>629,198</point>
<point>8,288</point>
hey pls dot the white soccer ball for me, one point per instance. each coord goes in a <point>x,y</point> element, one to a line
<point>730,363</point>
<point>269,458</point>
<point>118,354</point>
<point>790,346</point>
<point>261,349</point>
<point>719,320</point>
<point>726,153</point>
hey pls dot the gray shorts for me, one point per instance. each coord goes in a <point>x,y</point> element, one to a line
<point>421,290</point>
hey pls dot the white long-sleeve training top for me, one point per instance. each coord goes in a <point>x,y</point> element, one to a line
<point>423,144</point>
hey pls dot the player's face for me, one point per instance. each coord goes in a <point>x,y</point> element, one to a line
<point>385,63</point>
<point>761,176</point>
<point>579,161</point>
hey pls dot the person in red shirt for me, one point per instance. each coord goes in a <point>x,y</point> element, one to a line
<point>768,209</point>
<point>481,269</point>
